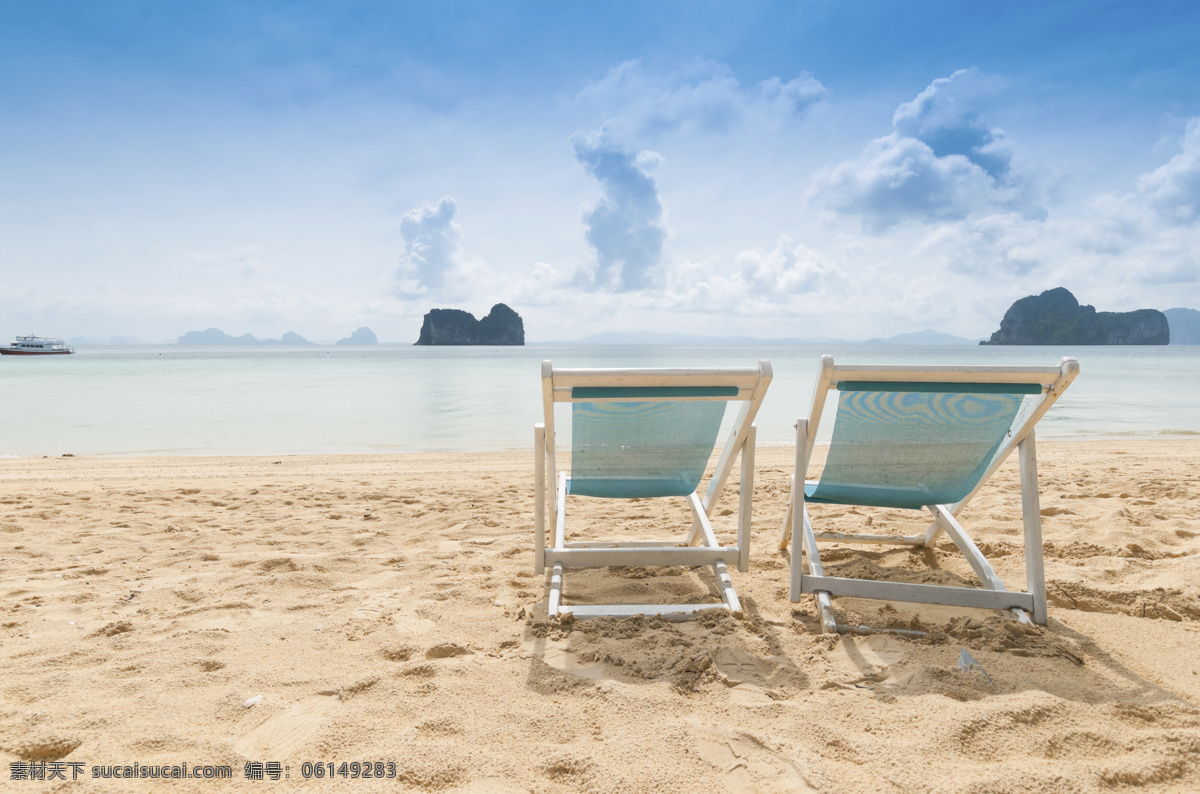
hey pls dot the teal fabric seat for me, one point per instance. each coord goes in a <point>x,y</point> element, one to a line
<point>916,444</point>
<point>643,449</point>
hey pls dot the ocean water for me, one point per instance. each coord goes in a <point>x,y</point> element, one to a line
<point>166,400</point>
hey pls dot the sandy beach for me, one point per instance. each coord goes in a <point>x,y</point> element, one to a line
<point>385,608</point>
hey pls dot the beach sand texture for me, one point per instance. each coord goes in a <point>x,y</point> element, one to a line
<point>385,608</point>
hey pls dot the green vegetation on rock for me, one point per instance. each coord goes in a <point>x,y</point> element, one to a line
<point>1056,318</point>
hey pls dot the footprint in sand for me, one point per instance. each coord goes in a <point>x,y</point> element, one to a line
<point>555,654</point>
<point>408,623</point>
<point>285,734</point>
<point>869,664</point>
<point>376,605</point>
<point>750,696</point>
<point>447,650</point>
<point>748,765</point>
<point>736,665</point>
<point>567,662</point>
<point>403,609</point>
<point>746,676</point>
<point>866,658</point>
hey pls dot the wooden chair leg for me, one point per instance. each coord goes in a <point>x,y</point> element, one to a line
<point>539,500</point>
<point>785,531</point>
<point>793,527</point>
<point>746,500</point>
<point>1031,514</point>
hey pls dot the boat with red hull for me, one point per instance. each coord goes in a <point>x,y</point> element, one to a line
<point>36,346</point>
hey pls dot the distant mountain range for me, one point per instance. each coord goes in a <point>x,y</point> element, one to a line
<point>215,337</point>
<point>926,337</point>
<point>1185,326</point>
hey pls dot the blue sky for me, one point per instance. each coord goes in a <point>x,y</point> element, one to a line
<point>814,169</point>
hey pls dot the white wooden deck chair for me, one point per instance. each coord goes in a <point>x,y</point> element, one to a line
<point>922,438</point>
<point>641,433</point>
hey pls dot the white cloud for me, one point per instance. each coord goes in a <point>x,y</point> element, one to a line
<point>1150,236</point>
<point>702,97</point>
<point>897,178</point>
<point>941,162</point>
<point>945,117</point>
<point>432,262</point>
<point>1002,244</point>
<point>1173,189</point>
<point>788,269</point>
<point>1128,240</point>
<point>625,228</point>
<point>786,280</point>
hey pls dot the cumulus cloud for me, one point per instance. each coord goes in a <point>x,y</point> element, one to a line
<point>432,249</point>
<point>998,244</point>
<point>625,228</point>
<point>941,162</point>
<point>945,118</point>
<point>896,178</point>
<point>785,280</point>
<point>702,97</point>
<point>1173,189</point>
<point>1151,235</point>
<point>1128,238</point>
<point>788,269</point>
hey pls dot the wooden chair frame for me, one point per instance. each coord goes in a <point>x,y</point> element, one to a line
<point>1029,606</point>
<point>700,546</point>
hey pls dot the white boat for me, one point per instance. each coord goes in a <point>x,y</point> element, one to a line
<point>35,346</point>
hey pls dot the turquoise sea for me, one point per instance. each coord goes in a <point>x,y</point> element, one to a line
<point>166,400</point>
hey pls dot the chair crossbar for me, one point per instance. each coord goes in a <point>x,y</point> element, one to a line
<point>917,593</point>
<point>742,377</point>
<point>610,393</point>
<point>850,537</point>
<point>960,387</point>
<point>640,555</point>
<point>570,396</point>
<point>666,611</point>
<point>965,374</point>
<point>617,544</point>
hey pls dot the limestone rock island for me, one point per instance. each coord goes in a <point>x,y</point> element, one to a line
<point>1056,318</point>
<point>502,326</point>
<point>363,336</point>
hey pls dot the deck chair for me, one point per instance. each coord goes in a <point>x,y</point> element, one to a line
<point>643,433</point>
<point>922,438</point>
